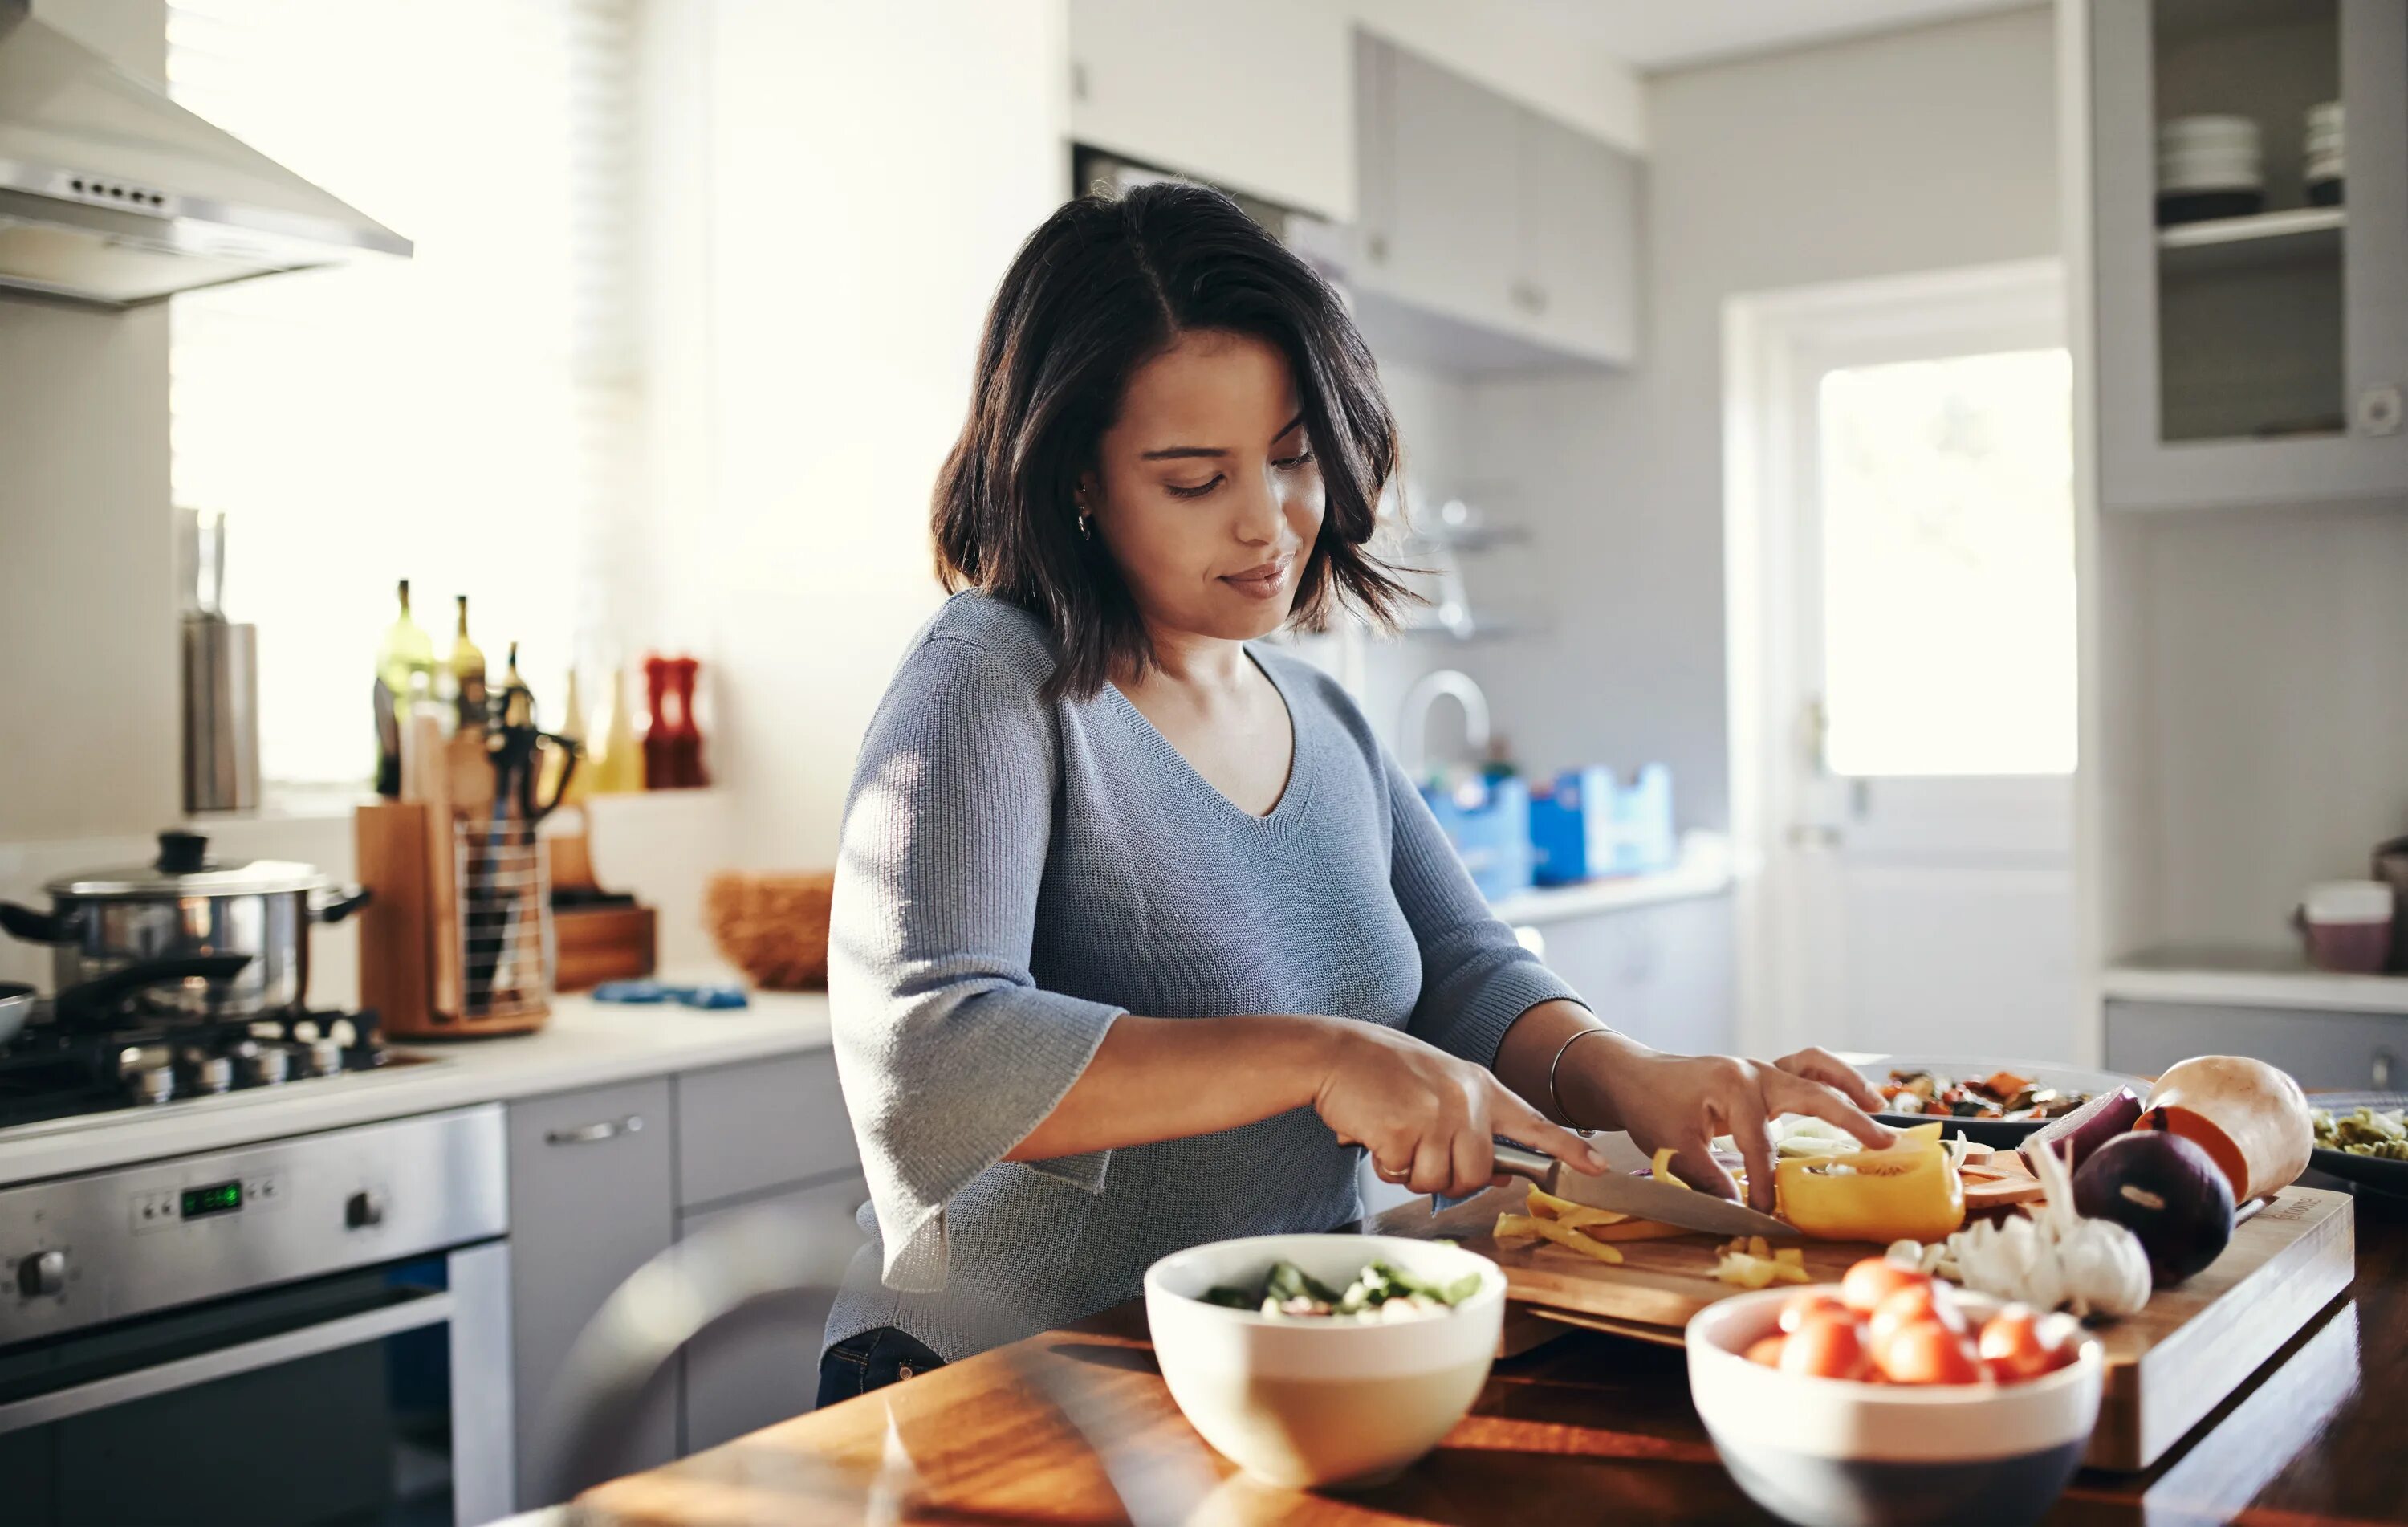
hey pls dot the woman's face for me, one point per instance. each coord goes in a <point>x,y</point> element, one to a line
<point>1204,491</point>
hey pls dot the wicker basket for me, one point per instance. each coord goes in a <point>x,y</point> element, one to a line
<point>774,928</point>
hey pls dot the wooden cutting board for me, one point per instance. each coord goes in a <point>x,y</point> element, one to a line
<point>2166,1367</point>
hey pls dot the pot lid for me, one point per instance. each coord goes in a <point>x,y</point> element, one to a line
<point>184,868</point>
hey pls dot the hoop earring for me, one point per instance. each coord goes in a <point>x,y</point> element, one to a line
<point>1086,532</point>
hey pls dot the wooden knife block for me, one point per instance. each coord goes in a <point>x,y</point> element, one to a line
<point>420,965</point>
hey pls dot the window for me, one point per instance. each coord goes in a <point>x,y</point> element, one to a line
<point>1948,575</point>
<point>467,419</point>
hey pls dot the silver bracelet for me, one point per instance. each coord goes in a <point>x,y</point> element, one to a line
<point>1557,1064</point>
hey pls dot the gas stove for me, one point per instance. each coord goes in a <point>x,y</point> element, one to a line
<point>144,1060</point>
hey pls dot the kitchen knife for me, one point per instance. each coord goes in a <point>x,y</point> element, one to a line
<point>1642,1197</point>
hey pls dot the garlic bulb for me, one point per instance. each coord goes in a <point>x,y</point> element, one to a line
<point>2057,1260</point>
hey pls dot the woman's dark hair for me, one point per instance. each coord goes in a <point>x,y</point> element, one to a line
<point>1103,286</point>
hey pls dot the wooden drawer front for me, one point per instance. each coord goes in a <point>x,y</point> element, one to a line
<point>762,1364</point>
<point>746,1128</point>
<point>2354,1052</point>
<point>590,1203</point>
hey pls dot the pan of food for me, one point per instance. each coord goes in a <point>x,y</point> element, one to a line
<point>1997,1103</point>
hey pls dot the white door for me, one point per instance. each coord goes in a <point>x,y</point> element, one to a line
<point>1903,486</point>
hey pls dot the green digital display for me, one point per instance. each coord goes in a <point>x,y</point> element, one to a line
<point>218,1198</point>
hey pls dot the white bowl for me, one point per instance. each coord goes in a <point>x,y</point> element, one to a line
<point>1830,1452</point>
<point>1312,1402</point>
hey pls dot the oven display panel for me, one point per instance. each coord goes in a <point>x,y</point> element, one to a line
<point>218,1198</point>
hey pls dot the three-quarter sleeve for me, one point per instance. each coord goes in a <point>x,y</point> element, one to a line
<point>948,1052</point>
<point>1476,977</point>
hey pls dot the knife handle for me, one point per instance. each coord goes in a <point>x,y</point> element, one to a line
<point>1525,1164</point>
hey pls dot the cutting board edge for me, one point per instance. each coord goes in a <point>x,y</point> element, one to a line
<point>2315,1268</point>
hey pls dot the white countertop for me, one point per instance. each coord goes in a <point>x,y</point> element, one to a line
<point>587,1044</point>
<point>2271,977</point>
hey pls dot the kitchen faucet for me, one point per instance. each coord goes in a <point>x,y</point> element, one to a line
<point>1412,721</point>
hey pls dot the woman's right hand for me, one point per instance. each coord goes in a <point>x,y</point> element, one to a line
<point>1426,1118</point>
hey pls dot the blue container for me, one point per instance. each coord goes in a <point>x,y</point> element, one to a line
<point>1488,822</point>
<point>1585,824</point>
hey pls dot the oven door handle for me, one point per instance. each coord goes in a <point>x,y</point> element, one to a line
<point>431,1308</point>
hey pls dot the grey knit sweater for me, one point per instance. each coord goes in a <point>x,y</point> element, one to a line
<point>1015,875</point>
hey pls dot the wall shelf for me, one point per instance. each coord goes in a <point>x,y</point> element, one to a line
<point>2294,235</point>
<point>2249,978</point>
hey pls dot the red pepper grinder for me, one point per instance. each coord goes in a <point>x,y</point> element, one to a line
<point>687,739</point>
<point>660,755</point>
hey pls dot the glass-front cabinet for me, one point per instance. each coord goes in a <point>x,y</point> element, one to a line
<point>2249,226</point>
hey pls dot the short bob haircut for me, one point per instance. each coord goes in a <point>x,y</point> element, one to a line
<point>1104,285</point>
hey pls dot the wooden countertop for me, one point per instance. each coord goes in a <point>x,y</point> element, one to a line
<point>1590,1423</point>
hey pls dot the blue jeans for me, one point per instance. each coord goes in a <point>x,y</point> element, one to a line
<point>871,1360</point>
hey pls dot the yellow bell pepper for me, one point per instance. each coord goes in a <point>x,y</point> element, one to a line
<point>1910,1191</point>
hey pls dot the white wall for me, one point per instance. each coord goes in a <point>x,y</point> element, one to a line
<point>871,170</point>
<point>1912,151</point>
<point>88,721</point>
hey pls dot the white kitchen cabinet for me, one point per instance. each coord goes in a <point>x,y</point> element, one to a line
<point>2338,1052</point>
<point>1250,94</point>
<point>1659,973</point>
<point>2259,360</point>
<point>1577,201</point>
<point>1449,235</point>
<point>1481,213</point>
<point>591,1199</point>
<point>743,1130</point>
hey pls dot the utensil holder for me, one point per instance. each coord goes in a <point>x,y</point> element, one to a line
<point>504,930</point>
<point>457,942</point>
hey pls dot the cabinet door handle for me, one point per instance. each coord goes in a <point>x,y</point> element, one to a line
<point>595,1133</point>
<point>2380,1072</point>
<point>2379,410</point>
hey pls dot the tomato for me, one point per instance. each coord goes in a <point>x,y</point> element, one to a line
<point>1872,1281</point>
<point>1916,1302</point>
<point>1826,1346</point>
<point>1809,1302</point>
<point>1768,1351</point>
<point>2014,1350</point>
<point>1927,1352</point>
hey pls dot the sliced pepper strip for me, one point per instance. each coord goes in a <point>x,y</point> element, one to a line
<point>1545,1205</point>
<point>1520,1226</point>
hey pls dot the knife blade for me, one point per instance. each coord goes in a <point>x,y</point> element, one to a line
<point>1643,1198</point>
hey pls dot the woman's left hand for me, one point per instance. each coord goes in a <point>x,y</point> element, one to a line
<point>1685,1101</point>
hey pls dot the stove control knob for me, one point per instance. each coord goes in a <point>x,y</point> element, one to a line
<point>265,1066</point>
<point>213,1073</point>
<point>365,1208</point>
<point>43,1273</point>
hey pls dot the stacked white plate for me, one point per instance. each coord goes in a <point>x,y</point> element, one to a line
<point>2322,153</point>
<point>2208,153</point>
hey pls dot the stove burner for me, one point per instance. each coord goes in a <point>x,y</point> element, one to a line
<point>55,1071</point>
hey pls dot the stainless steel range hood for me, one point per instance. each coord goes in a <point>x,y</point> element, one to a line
<point>111,193</point>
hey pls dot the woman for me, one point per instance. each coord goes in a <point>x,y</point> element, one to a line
<point>1140,936</point>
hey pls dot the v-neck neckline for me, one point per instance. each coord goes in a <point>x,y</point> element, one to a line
<point>1300,778</point>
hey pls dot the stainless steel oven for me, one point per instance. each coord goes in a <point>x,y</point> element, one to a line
<point>309,1330</point>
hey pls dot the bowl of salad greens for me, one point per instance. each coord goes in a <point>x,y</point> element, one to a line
<point>1325,1360</point>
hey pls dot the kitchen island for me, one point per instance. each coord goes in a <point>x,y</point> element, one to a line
<point>1591,1424</point>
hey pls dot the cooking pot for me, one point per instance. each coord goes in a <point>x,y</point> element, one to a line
<point>185,903</point>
